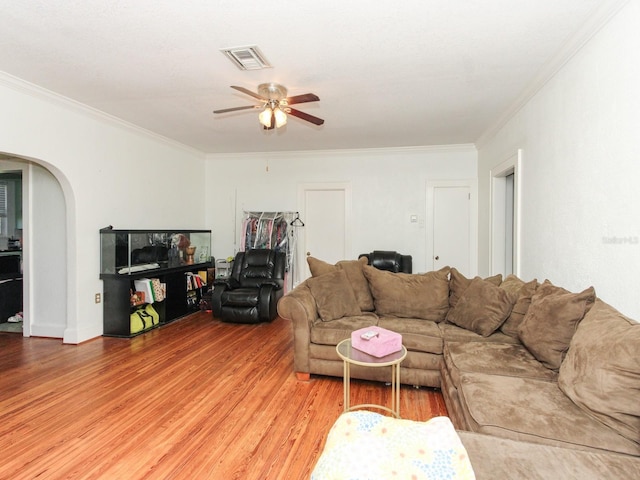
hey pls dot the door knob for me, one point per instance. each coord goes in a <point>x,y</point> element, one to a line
<point>437,257</point>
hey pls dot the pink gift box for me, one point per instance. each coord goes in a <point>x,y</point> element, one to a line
<point>376,341</point>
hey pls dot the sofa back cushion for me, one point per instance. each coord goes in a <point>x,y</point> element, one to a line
<point>601,372</point>
<point>406,295</point>
<point>482,308</point>
<point>523,292</point>
<point>355,275</point>
<point>333,295</point>
<point>459,283</point>
<point>552,320</point>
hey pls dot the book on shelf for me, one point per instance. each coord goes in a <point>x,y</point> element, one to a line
<point>192,298</point>
<point>144,285</point>
<point>195,281</point>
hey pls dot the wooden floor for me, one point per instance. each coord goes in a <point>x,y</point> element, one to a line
<point>195,399</point>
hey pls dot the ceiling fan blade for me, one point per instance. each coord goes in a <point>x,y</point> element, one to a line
<point>249,92</point>
<point>307,97</point>
<point>305,116</point>
<point>233,109</point>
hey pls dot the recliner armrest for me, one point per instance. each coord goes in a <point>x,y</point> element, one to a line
<point>228,282</point>
<point>219,287</point>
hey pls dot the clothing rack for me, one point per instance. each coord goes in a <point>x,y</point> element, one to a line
<point>274,230</point>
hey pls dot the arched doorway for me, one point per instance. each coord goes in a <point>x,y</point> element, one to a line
<point>44,235</point>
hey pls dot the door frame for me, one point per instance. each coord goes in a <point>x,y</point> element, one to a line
<point>301,260</point>
<point>497,186</point>
<point>472,184</point>
<point>14,163</point>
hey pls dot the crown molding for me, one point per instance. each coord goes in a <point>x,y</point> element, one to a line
<point>462,147</point>
<point>35,91</point>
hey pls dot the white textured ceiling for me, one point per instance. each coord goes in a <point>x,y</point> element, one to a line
<point>388,74</point>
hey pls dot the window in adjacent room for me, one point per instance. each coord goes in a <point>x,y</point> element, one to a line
<point>4,227</point>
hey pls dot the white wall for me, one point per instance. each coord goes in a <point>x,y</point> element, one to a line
<point>46,254</point>
<point>110,173</point>
<point>388,185</point>
<point>580,171</point>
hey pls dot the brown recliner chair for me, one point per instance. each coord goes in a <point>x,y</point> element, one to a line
<point>389,260</point>
<point>251,293</point>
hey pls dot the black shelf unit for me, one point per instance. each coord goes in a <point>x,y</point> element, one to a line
<point>117,292</point>
<point>127,255</point>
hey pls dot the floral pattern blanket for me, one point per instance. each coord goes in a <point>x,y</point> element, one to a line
<point>365,445</point>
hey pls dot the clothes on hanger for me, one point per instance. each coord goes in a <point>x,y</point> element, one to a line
<point>275,230</point>
<point>265,230</point>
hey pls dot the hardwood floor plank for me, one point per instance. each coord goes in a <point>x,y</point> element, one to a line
<point>194,399</point>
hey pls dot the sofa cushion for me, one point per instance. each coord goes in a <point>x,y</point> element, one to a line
<point>334,296</point>
<point>353,269</point>
<point>410,295</point>
<point>493,358</point>
<point>601,372</point>
<point>493,457</point>
<point>459,283</point>
<point>550,323</point>
<point>482,308</point>
<point>536,411</point>
<point>454,333</point>
<point>332,333</point>
<point>417,335</point>
<point>524,292</point>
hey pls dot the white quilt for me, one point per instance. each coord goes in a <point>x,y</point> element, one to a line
<point>364,445</point>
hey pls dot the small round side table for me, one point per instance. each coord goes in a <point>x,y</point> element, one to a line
<point>352,356</point>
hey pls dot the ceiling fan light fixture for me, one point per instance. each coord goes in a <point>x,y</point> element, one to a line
<point>281,117</point>
<point>275,105</point>
<point>265,117</point>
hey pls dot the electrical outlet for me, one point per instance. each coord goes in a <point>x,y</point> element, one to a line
<point>98,298</point>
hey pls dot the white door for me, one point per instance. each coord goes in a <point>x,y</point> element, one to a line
<point>450,220</point>
<point>324,208</point>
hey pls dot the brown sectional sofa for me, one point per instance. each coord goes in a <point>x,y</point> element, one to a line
<point>522,361</point>
<point>322,313</point>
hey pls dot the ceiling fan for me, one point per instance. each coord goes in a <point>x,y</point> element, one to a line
<point>275,105</point>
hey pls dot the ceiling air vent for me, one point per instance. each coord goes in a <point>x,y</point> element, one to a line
<point>247,58</point>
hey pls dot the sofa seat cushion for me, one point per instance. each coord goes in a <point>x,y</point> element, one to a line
<point>536,411</point>
<point>453,333</point>
<point>494,458</point>
<point>417,334</point>
<point>333,332</point>
<point>601,372</point>
<point>494,359</point>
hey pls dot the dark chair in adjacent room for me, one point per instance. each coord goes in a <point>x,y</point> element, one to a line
<point>10,286</point>
<point>250,294</point>
<point>389,260</point>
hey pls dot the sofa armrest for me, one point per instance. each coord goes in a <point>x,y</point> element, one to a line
<point>299,306</point>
